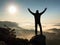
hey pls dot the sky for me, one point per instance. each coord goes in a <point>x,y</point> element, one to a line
<point>24,18</point>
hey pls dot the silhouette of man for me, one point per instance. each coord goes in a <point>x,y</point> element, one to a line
<point>37,17</point>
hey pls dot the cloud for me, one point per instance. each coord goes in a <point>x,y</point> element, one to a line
<point>58,24</point>
<point>8,23</point>
<point>55,29</point>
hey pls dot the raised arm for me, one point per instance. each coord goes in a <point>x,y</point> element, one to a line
<point>31,11</point>
<point>43,11</point>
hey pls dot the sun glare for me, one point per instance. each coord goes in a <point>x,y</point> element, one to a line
<point>12,9</point>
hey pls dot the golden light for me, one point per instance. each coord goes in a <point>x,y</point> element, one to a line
<point>12,9</point>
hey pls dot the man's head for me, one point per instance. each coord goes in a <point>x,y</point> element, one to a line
<point>37,11</point>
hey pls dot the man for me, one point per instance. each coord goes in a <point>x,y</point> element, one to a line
<point>37,17</point>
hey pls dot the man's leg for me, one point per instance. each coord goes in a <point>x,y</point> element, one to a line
<point>40,28</point>
<point>35,28</point>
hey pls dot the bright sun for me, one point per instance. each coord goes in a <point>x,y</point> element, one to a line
<point>12,9</point>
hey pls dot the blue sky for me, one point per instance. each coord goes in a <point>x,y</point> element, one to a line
<point>51,16</point>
